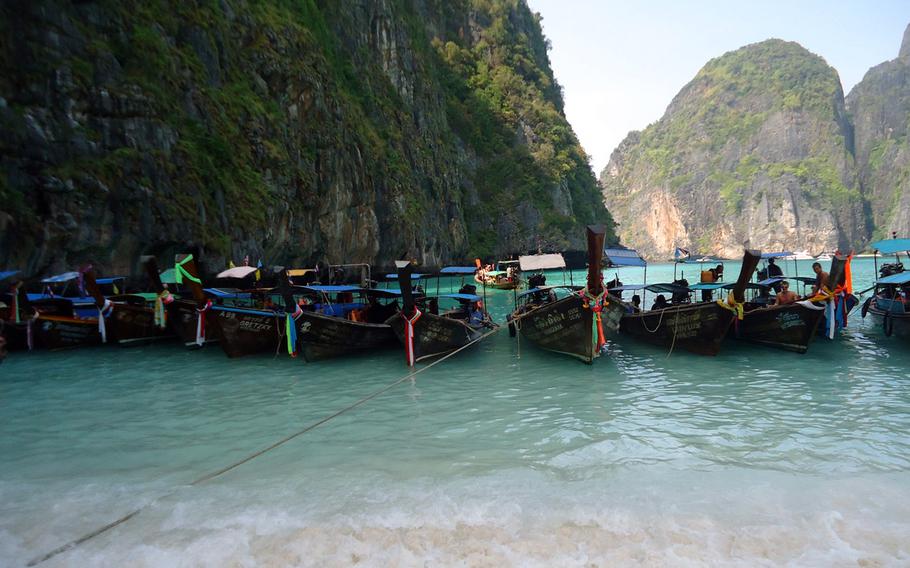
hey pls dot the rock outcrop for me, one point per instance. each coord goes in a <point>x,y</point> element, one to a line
<point>880,109</point>
<point>757,147</point>
<point>288,131</point>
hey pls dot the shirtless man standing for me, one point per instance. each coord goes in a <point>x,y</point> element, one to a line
<point>821,278</point>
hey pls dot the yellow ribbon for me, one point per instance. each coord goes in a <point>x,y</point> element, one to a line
<point>731,304</point>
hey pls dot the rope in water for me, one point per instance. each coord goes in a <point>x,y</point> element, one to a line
<point>209,476</point>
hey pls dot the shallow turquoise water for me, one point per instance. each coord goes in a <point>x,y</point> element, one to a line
<point>500,455</point>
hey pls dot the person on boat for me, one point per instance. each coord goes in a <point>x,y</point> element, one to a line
<point>636,303</point>
<point>774,271</point>
<point>785,296</point>
<point>821,279</point>
<point>660,303</point>
<point>476,314</point>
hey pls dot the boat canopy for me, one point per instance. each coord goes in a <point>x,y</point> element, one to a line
<point>416,276</point>
<point>899,278</point>
<point>666,288</point>
<point>7,274</point>
<point>624,257</point>
<point>461,297</point>
<point>770,281</point>
<point>110,280</point>
<point>545,288</point>
<point>458,270</point>
<point>300,271</point>
<point>889,246</point>
<point>784,254</point>
<point>65,277</point>
<point>222,293</point>
<point>707,286</point>
<point>804,279</point>
<point>333,289</point>
<point>237,272</point>
<point>541,262</point>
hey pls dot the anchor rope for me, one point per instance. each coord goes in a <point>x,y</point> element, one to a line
<point>212,475</point>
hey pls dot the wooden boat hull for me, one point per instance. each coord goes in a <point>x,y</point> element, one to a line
<point>507,285</point>
<point>182,320</point>
<point>136,324</point>
<point>15,334</point>
<point>62,332</point>
<point>563,326</point>
<point>697,328</point>
<point>435,335</point>
<point>890,323</point>
<point>791,327</point>
<point>325,337</point>
<point>247,332</point>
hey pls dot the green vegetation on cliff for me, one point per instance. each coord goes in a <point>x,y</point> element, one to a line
<point>756,147</point>
<point>291,129</point>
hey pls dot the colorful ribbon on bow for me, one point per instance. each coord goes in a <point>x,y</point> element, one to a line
<point>731,304</point>
<point>409,322</point>
<point>200,322</point>
<point>291,330</point>
<point>180,272</point>
<point>104,312</point>
<point>161,300</point>
<point>596,305</point>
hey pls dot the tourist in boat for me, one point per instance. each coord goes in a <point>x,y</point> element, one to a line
<point>821,278</point>
<point>785,296</point>
<point>636,303</point>
<point>660,303</point>
<point>774,271</point>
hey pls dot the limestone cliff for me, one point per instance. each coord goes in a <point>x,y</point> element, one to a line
<point>880,108</point>
<point>757,147</point>
<point>287,130</point>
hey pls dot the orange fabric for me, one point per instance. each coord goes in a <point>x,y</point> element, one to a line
<point>849,276</point>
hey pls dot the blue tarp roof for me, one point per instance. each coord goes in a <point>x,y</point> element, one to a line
<point>458,270</point>
<point>889,246</point>
<point>415,276</point>
<point>220,293</point>
<point>333,289</point>
<point>776,254</point>
<point>707,286</point>
<point>65,277</point>
<point>110,280</point>
<point>899,278</point>
<point>243,311</point>
<point>770,281</point>
<point>8,274</point>
<point>464,297</point>
<point>628,287</point>
<point>624,257</point>
<point>545,288</point>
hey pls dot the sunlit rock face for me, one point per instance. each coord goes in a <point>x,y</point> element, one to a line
<point>756,148</point>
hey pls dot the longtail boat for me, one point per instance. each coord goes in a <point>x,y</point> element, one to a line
<point>889,306</point>
<point>15,319</point>
<point>425,332</point>
<point>505,276</point>
<point>249,321</point>
<point>344,320</point>
<point>577,323</point>
<point>790,327</point>
<point>136,318</point>
<point>189,318</point>
<point>696,327</point>
<point>67,322</point>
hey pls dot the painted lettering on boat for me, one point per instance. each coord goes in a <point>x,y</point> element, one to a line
<point>687,325</point>
<point>554,322</point>
<point>788,320</point>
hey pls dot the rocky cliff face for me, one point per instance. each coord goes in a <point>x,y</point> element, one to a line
<point>291,131</point>
<point>880,108</point>
<point>757,147</point>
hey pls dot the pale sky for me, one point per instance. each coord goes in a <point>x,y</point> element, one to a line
<point>620,63</point>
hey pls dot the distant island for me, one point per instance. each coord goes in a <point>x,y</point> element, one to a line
<point>763,146</point>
